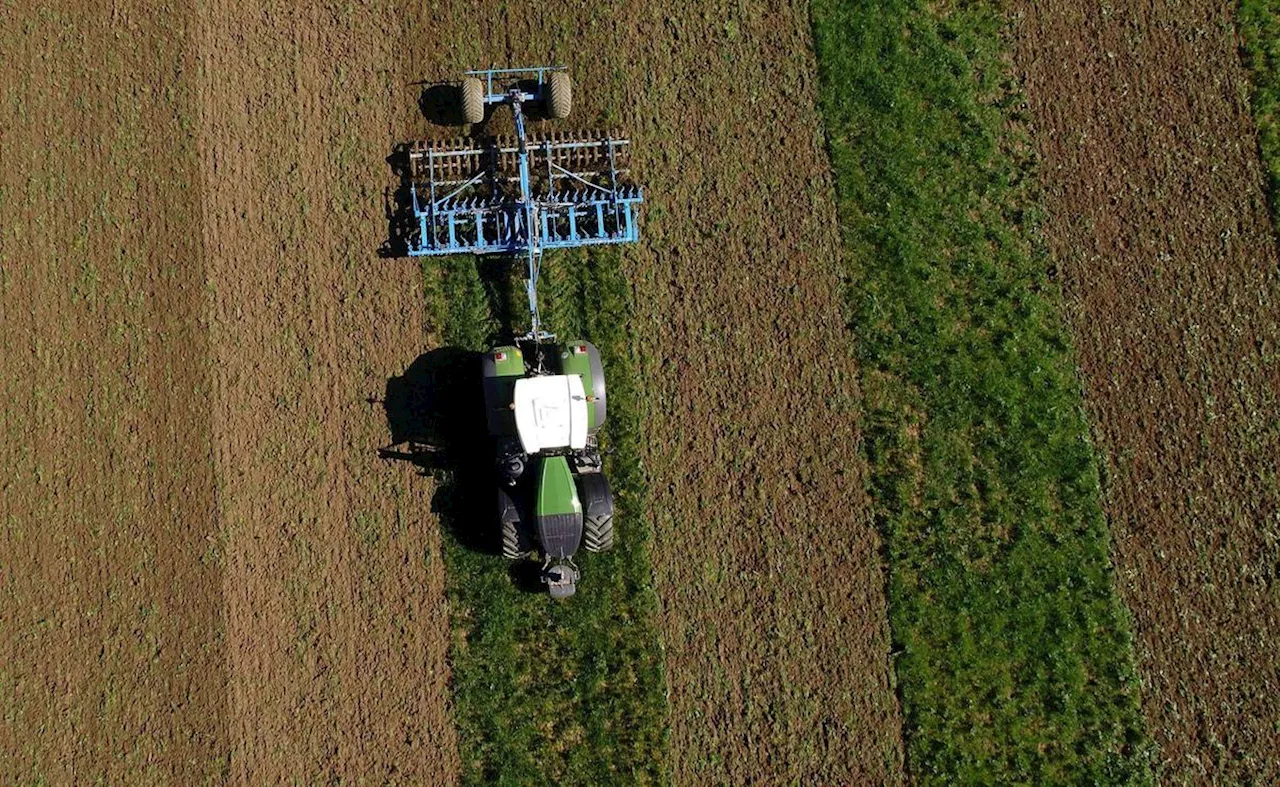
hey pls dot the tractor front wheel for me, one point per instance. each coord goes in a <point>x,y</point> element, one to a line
<point>597,512</point>
<point>559,94</point>
<point>472,95</point>
<point>515,538</point>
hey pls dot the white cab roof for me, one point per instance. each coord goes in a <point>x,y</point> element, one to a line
<point>551,412</point>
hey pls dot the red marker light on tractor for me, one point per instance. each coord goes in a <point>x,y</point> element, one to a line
<point>581,349</point>
<point>499,357</point>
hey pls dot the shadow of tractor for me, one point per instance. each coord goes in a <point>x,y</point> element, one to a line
<point>435,414</point>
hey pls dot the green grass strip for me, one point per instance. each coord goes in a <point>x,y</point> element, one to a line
<point>1013,654</point>
<point>1260,31</point>
<point>545,692</point>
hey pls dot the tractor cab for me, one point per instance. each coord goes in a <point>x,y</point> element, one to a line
<point>551,412</point>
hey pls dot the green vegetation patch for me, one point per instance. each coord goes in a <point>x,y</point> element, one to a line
<point>1013,655</point>
<point>546,692</point>
<point>1260,31</point>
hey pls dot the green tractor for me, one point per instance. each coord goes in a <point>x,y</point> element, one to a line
<point>545,399</point>
<point>544,418</point>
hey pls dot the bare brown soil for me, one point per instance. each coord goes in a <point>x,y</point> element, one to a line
<point>208,572</point>
<point>1158,219</point>
<point>111,640</point>
<point>333,585</point>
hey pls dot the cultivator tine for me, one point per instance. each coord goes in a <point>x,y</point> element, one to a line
<point>445,160</point>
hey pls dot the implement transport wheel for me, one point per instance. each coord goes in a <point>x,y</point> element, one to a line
<point>472,93</point>
<point>559,94</point>
<point>515,538</point>
<point>597,512</point>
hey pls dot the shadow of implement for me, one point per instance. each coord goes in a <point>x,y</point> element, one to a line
<point>441,104</point>
<point>397,206</point>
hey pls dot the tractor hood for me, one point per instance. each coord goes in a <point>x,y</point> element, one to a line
<point>559,510</point>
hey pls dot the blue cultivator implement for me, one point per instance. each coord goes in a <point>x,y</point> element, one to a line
<point>525,195</point>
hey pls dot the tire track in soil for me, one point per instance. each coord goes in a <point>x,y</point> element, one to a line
<point>766,559</point>
<point>111,662</point>
<point>1159,222</point>
<point>337,627</point>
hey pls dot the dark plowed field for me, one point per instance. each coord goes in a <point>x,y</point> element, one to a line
<point>1158,219</point>
<point>337,631</point>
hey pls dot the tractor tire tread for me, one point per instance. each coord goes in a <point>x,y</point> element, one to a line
<point>597,533</point>
<point>516,543</point>
<point>514,547</point>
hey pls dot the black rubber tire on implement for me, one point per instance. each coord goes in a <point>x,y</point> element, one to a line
<point>559,94</point>
<point>515,537</point>
<point>471,95</point>
<point>597,512</point>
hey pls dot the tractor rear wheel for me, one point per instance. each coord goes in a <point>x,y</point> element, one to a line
<point>472,95</point>
<point>559,94</point>
<point>515,537</point>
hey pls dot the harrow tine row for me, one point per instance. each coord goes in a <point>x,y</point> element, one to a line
<point>455,158</point>
<point>471,203</point>
<point>562,199</point>
<point>582,196</point>
<point>576,153</point>
<point>481,230</point>
<point>447,159</point>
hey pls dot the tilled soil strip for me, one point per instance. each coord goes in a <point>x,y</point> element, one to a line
<point>1158,221</point>
<point>336,627</point>
<point>111,642</point>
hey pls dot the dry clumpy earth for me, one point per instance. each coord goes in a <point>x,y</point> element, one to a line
<point>111,627</point>
<point>1158,220</point>
<point>209,574</point>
